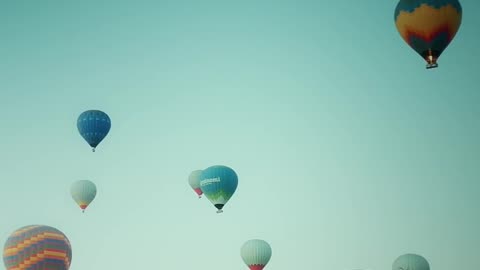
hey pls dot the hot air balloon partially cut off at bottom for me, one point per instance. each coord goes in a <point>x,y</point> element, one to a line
<point>410,262</point>
<point>256,254</point>
<point>37,247</point>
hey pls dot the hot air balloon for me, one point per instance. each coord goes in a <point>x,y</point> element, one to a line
<point>428,26</point>
<point>83,192</point>
<point>94,126</point>
<point>410,262</point>
<point>218,183</point>
<point>194,181</point>
<point>37,247</point>
<point>256,253</point>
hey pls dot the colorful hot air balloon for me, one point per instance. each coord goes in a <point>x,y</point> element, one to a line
<point>218,183</point>
<point>194,181</point>
<point>37,247</point>
<point>428,26</point>
<point>94,126</point>
<point>83,192</point>
<point>410,262</point>
<point>256,254</point>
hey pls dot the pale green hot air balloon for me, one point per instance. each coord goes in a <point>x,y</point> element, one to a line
<point>194,182</point>
<point>256,254</point>
<point>410,262</point>
<point>83,192</point>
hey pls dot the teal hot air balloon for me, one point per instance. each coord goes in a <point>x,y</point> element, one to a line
<point>93,126</point>
<point>194,182</point>
<point>83,192</point>
<point>256,254</point>
<point>218,183</point>
<point>410,262</point>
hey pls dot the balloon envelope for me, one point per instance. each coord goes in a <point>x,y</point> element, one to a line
<point>256,253</point>
<point>410,262</point>
<point>93,126</point>
<point>194,181</point>
<point>37,247</point>
<point>428,26</point>
<point>218,183</point>
<point>83,192</point>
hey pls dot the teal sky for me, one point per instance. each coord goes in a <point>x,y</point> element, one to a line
<point>349,152</point>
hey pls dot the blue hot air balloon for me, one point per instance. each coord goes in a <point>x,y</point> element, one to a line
<point>94,126</point>
<point>218,183</point>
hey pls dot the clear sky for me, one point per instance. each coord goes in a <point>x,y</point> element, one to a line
<point>349,152</point>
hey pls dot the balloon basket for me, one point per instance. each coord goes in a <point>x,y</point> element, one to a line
<point>219,211</point>
<point>429,66</point>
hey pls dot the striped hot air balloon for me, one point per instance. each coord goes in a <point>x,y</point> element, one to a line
<point>83,192</point>
<point>428,26</point>
<point>410,262</point>
<point>256,254</point>
<point>194,182</point>
<point>218,183</point>
<point>93,126</point>
<point>37,247</point>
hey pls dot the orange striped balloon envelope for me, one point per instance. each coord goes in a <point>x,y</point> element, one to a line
<point>37,247</point>
<point>428,26</point>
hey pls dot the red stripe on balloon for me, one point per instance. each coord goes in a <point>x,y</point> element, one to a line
<point>256,266</point>
<point>433,34</point>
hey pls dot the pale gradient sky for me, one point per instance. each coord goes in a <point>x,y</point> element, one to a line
<point>349,152</point>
